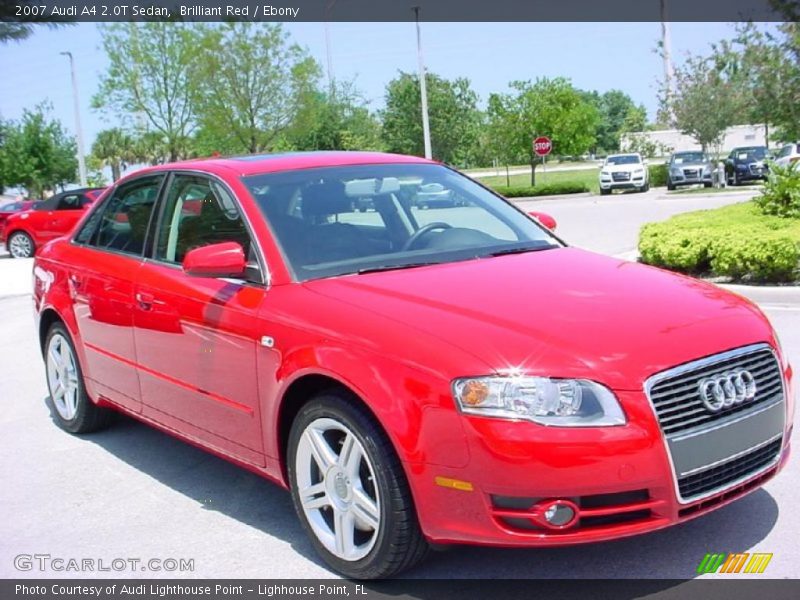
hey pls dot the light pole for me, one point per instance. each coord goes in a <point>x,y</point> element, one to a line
<point>666,48</point>
<point>78,130</point>
<point>423,90</point>
<point>328,8</point>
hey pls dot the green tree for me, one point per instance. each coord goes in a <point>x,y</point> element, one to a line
<point>334,120</point>
<point>765,65</point>
<point>704,102</point>
<point>149,79</point>
<point>248,85</point>
<point>16,31</point>
<point>114,148</point>
<point>551,107</point>
<point>454,118</point>
<point>37,153</point>
<point>618,114</point>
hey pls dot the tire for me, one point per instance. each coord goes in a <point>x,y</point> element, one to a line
<point>604,192</point>
<point>71,407</point>
<point>369,498</point>
<point>20,245</point>
<point>707,185</point>
<point>670,187</point>
<point>645,188</point>
<point>735,179</point>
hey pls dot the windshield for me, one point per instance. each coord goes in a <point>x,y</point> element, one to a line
<point>629,159</point>
<point>688,157</point>
<point>357,219</point>
<point>755,153</point>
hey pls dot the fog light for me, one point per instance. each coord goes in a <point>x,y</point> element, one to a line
<point>556,514</point>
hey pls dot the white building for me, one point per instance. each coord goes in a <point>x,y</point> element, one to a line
<point>672,140</point>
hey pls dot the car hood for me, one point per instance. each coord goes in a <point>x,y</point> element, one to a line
<point>563,313</point>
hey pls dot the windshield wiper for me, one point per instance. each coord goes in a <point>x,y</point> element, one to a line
<point>521,250</point>
<point>396,267</point>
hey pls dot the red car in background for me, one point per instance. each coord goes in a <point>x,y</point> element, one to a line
<point>10,208</point>
<point>26,231</point>
<point>447,376</point>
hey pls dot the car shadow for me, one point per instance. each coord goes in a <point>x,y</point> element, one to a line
<point>670,554</point>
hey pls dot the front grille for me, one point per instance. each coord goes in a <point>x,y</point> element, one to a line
<point>621,176</point>
<point>677,398</point>
<point>757,169</point>
<point>690,173</point>
<point>728,472</point>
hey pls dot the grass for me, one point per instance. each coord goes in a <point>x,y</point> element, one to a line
<point>588,177</point>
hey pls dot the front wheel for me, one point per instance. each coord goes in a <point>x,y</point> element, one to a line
<point>645,188</point>
<point>350,491</point>
<point>73,410</point>
<point>20,245</point>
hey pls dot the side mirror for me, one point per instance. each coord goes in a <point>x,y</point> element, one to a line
<point>544,219</point>
<point>225,259</point>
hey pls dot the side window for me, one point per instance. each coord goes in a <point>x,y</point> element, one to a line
<point>69,202</point>
<point>124,218</point>
<point>198,212</point>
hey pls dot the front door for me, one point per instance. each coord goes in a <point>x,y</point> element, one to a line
<point>196,337</point>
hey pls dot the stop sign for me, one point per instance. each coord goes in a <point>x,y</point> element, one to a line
<point>542,145</point>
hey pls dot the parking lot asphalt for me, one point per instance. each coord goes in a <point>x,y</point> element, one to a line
<point>133,492</point>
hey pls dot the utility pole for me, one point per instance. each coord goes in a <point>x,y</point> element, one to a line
<point>328,8</point>
<point>78,130</point>
<point>666,47</point>
<point>423,90</point>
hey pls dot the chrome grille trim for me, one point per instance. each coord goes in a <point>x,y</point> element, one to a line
<point>742,415</point>
<point>678,413</point>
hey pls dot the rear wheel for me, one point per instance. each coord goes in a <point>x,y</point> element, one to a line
<point>73,411</point>
<point>20,245</point>
<point>350,491</point>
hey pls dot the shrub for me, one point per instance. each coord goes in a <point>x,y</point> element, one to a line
<point>658,175</point>
<point>737,241</point>
<point>781,193</point>
<point>548,189</point>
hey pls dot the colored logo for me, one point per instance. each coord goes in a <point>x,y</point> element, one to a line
<point>735,562</point>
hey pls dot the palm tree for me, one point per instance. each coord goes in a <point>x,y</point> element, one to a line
<point>114,148</point>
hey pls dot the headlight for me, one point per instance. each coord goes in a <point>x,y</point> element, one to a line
<point>637,171</point>
<point>675,172</point>
<point>605,173</point>
<point>558,402</point>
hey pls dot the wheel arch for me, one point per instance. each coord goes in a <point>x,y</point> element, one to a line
<point>298,393</point>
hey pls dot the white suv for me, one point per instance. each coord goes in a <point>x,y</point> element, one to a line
<point>624,172</point>
<point>788,155</point>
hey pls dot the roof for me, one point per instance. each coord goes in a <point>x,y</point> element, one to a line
<point>257,164</point>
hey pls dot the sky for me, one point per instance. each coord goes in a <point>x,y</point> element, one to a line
<point>595,56</point>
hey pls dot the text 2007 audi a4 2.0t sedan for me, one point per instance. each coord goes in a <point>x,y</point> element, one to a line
<point>414,377</point>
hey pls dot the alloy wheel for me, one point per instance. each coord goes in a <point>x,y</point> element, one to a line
<point>62,377</point>
<point>337,488</point>
<point>20,246</point>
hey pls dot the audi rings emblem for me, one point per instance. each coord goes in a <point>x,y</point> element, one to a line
<point>727,390</point>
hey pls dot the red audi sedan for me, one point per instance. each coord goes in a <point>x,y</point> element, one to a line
<point>26,231</point>
<point>455,375</point>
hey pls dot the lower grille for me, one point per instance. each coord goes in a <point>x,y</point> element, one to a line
<point>598,510</point>
<point>729,472</point>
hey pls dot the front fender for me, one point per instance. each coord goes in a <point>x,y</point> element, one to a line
<point>413,405</point>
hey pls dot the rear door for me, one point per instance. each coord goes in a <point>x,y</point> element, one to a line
<point>197,337</point>
<point>102,281</point>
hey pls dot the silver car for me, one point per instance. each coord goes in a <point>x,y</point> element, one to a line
<point>689,168</point>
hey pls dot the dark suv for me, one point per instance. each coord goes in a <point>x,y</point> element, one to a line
<point>746,164</point>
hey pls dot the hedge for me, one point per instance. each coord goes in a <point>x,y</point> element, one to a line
<point>658,175</point>
<point>548,189</point>
<point>737,241</point>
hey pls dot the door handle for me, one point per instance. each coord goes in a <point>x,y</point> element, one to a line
<point>145,300</point>
<point>76,281</point>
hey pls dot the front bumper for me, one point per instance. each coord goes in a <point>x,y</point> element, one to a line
<point>634,182</point>
<point>620,478</point>
<point>703,177</point>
